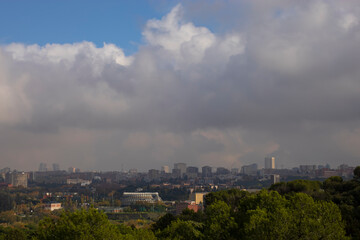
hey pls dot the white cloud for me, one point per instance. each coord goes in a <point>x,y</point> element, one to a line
<point>67,54</point>
<point>348,21</point>
<point>14,104</point>
<point>186,42</point>
<point>190,94</point>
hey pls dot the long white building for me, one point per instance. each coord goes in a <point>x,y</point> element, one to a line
<point>130,198</point>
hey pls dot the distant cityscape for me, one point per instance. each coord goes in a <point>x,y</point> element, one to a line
<point>180,173</point>
<point>132,195</point>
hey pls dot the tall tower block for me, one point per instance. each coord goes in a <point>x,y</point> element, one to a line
<point>269,163</point>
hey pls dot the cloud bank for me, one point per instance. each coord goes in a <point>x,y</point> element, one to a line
<point>284,82</point>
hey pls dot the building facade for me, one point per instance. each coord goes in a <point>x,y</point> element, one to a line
<point>181,167</point>
<point>52,206</point>
<point>17,179</point>
<point>186,204</point>
<point>198,197</point>
<point>249,169</point>
<point>42,167</point>
<point>165,169</point>
<point>269,163</point>
<point>56,167</point>
<point>192,172</point>
<point>206,171</point>
<point>222,171</point>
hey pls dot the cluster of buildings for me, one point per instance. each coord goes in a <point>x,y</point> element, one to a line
<point>188,179</point>
<point>269,172</point>
<point>14,178</point>
<point>55,168</point>
<point>195,201</point>
<point>180,173</point>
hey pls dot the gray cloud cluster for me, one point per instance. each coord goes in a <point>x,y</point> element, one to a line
<point>284,80</point>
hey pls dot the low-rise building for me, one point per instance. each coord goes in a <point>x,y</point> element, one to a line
<point>78,181</point>
<point>187,204</point>
<point>275,178</point>
<point>198,197</point>
<point>52,206</point>
<point>111,209</point>
<point>130,198</point>
<point>249,169</point>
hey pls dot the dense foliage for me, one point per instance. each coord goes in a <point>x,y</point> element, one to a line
<point>6,201</point>
<point>235,214</point>
<point>345,194</point>
<point>232,214</point>
<point>79,225</point>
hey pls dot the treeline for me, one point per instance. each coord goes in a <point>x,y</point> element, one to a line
<point>299,209</point>
<point>345,194</point>
<point>236,214</point>
<point>79,225</point>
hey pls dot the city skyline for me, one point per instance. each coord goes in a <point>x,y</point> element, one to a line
<point>181,168</point>
<point>152,83</point>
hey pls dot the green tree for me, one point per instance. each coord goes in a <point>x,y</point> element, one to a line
<point>182,230</point>
<point>129,233</point>
<point>189,214</point>
<point>231,197</point>
<point>12,233</point>
<point>219,224</point>
<point>163,222</point>
<point>357,173</point>
<point>6,201</point>
<point>78,225</point>
<point>312,188</point>
<point>314,219</point>
<point>8,217</point>
<point>346,194</point>
<point>264,216</point>
<point>268,215</point>
<point>140,234</point>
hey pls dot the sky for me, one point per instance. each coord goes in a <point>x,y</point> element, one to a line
<point>111,85</point>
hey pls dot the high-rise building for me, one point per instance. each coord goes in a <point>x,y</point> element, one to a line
<point>165,169</point>
<point>249,169</point>
<point>5,170</point>
<point>153,174</point>
<point>42,167</point>
<point>222,171</point>
<point>206,171</point>
<point>17,179</point>
<point>176,173</point>
<point>234,171</point>
<point>192,172</point>
<point>181,167</point>
<point>56,167</point>
<point>3,173</point>
<point>269,163</point>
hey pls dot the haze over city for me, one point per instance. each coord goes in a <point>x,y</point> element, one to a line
<point>105,86</point>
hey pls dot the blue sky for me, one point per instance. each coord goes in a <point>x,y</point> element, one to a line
<point>42,22</point>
